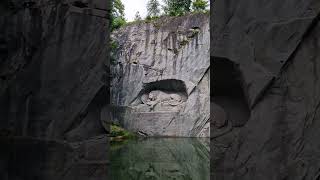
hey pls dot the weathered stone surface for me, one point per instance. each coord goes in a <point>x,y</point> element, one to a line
<point>163,67</point>
<point>53,68</point>
<point>53,85</point>
<point>273,46</point>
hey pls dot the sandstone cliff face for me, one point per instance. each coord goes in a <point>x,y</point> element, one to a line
<point>52,68</point>
<point>273,47</point>
<point>161,76</point>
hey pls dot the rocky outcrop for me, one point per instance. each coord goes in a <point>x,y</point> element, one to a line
<point>271,51</point>
<point>160,75</point>
<point>53,68</point>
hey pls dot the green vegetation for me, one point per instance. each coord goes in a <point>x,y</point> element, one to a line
<point>170,8</point>
<point>199,5</point>
<point>119,134</point>
<point>120,137</point>
<point>176,7</point>
<point>118,22</point>
<point>113,49</point>
<point>153,8</point>
<point>150,19</point>
<point>137,16</point>
<point>114,45</point>
<point>117,14</point>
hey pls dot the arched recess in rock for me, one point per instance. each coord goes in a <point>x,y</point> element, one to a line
<point>171,86</point>
<point>227,91</point>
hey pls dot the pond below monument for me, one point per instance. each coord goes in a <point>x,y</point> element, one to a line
<point>161,159</point>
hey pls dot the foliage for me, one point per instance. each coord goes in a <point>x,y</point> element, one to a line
<point>186,5</point>
<point>114,45</point>
<point>151,18</point>
<point>113,48</point>
<point>176,7</point>
<point>117,8</point>
<point>120,133</point>
<point>117,14</point>
<point>117,22</point>
<point>137,16</point>
<point>200,5</point>
<point>153,8</point>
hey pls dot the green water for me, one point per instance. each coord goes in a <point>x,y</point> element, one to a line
<point>161,159</point>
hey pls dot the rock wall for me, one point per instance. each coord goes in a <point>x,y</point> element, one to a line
<point>272,47</point>
<point>53,86</point>
<point>161,76</point>
<point>53,80</point>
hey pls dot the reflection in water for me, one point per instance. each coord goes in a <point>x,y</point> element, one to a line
<point>26,158</point>
<point>161,159</point>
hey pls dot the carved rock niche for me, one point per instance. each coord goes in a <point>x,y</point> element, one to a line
<point>161,96</point>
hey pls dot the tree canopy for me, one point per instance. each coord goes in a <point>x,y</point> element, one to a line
<point>137,16</point>
<point>170,8</point>
<point>199,5</point>
<point>176,7</point>
<point>153,8</point>
<point>117,14</point>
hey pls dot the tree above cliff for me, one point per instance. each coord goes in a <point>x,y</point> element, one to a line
<point>117,14</point>
<point>137,16</point>
<point>199,5</point>
<point>153,8</point>
<point>176,7</point>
